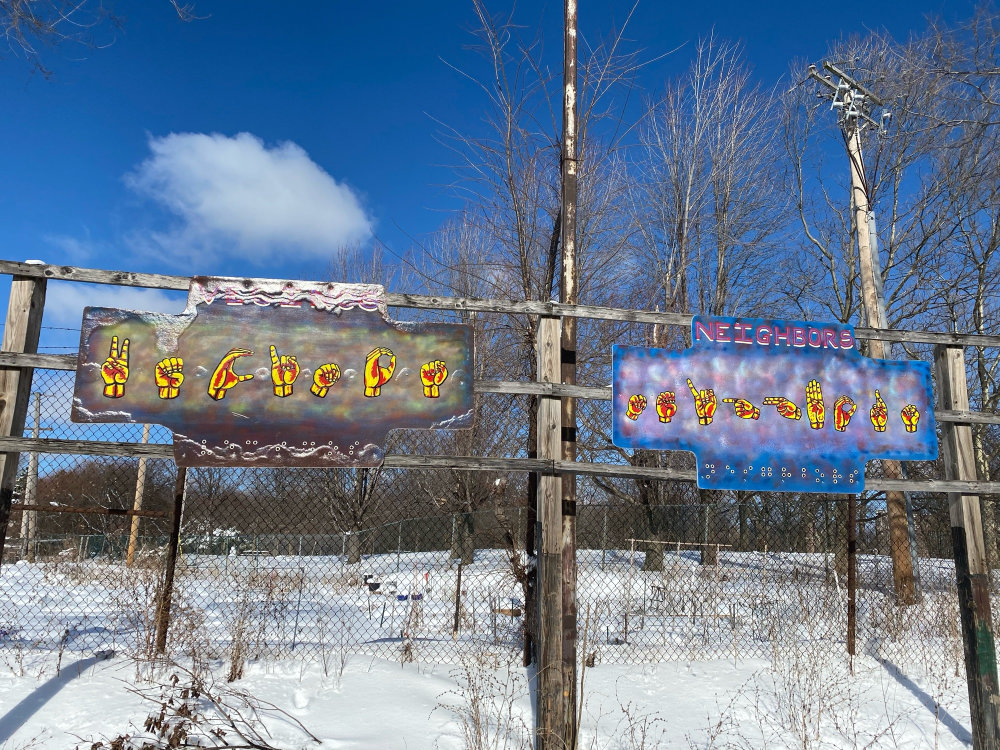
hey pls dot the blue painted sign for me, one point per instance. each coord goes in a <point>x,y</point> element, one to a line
<point>773,405</point>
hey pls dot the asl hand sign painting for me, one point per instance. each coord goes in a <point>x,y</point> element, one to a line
<point>274,373</point>
<point>790,390</point>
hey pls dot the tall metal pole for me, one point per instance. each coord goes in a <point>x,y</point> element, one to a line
<point>166,593</point>
<point>29,518</point>
<point>140,487</point>
<point>569,294</point>
<point>852,99</point>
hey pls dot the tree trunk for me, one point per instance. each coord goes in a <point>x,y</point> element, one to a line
<point>651,515</point>
<point>653,561</point>
<point>810,531</point>
<point>709,551</point>
<point>464,543</point>
<point>352,547</point>
<point>741,510</point>
<point>840,541</point>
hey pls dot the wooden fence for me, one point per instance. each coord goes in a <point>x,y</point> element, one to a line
<point>19,356</point>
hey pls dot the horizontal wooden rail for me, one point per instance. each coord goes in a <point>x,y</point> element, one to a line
<point>91,511</point>
<point>594,393</point>
<point>85,447</point>
<point>432,302</point>
<point>96,275</point>
<point>40,361</point>
<point>481,463</point>
<point>966,417</point>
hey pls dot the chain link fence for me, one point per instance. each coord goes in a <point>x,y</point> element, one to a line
<point>416,564</point>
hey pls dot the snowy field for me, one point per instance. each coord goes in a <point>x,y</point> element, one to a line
<point>282,606</point>
<point>747,654</point>
<point>808,700</point>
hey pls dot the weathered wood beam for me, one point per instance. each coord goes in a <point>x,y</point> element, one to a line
<point>91,511</point>
<point>20,334</point>
<point>433,302</point>
<point>486,463</point>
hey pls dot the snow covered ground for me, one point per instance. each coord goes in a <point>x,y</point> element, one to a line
<point>747,654</point>
<point>376,703</point>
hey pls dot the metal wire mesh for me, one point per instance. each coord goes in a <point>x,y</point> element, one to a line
<point>418,563</point>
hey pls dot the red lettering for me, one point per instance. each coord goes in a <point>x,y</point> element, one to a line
<point>721,332</point>
<point>781,337</point>
<point>798,336</point>
<point>703,331</point>
<point>741,333</point>
<point>846,340</point>
<point>829,338</point>
<point>763,335</point>
<point>818,338</point>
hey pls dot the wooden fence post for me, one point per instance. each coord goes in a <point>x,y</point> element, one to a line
<point>20,334</point>
<point>971,570</point>
<point>170,563</point>
<point>550,610</point>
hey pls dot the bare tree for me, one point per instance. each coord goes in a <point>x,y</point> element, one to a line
<point>705,226</point>
<point>931,182</point>
<point>351,498</point>
<point>29,25</point>
<point>510,176</point>
<point>707,219</point>
<point>959,65</point>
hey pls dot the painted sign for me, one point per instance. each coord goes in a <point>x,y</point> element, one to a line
<point>274,373</point>
<point>773,405</point>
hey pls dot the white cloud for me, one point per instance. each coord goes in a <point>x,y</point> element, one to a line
<point>64,302</point>
<point>77,249</point>
<point>236,197</point>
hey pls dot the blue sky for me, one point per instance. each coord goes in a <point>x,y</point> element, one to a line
<point>259,139</point>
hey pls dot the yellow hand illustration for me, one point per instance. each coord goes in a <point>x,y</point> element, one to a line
<point>325,376</point>
<point>636,405</point>
<point>814,405</point>
<point>705,403</point>
<point>743,408</point>
<point>785,407</point>
<point>168,375</point>
<point>879,413</point>
<point>432,375</point>
<point>843,410</point>
<point>375,374</point>
<point>114,370</point>
<point>666,407</point>
<point>284,371</point>
<point>910,416</point>
<point>224,378</point>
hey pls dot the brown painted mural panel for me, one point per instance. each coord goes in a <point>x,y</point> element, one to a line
<point>274,373</point>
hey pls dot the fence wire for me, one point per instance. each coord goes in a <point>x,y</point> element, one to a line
<point>419,563</point>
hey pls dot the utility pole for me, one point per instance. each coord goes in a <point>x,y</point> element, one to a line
<point>569,294</point>
<point>853,101</point>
